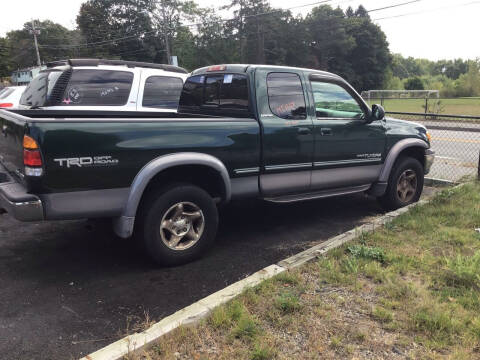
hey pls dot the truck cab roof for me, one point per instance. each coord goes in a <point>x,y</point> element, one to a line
<point>243,68</point>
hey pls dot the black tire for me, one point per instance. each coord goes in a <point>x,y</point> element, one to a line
<point>157,205</point>
<point>391,200</point>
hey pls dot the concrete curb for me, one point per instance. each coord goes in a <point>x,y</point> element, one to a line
<point>438,182</point>
<point>203,307</point>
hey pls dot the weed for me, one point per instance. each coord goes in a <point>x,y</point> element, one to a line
<point>246,328</point>
<point>261,352</point>
<point>367,252</point>
<point>463,271</point>
<point>335,342</point>
<point>436,322</point>
<point>382,315</point>
<point>288,278</point>
<point>288,303</point>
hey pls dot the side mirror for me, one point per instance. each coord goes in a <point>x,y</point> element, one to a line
<point>378,112</point>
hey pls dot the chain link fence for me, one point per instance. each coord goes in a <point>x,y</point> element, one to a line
<point>455,140</point>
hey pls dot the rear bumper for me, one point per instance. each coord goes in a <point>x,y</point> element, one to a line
<point>429,158</point>
<point>15,200</point>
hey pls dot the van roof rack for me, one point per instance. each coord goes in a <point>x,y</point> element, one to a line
<point>96,62</point>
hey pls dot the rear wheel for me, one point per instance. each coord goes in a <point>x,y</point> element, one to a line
<point>405,184</point>
<point>177,224</point>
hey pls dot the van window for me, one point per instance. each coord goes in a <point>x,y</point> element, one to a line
<point>162,92</point>
<point>89,87</point>
<point>6,93</point>
<point>36,92</point>
<point>285,96</point>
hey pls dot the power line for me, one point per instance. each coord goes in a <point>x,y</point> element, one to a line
<point>186,25</point>
<point>149,33</point>
<point>427,10</point>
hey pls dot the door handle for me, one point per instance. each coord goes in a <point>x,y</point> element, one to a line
<point>325,131</point>
<point>304,131</point>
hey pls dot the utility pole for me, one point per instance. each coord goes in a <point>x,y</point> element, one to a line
<point>36,32</point>
<point>165,33</point>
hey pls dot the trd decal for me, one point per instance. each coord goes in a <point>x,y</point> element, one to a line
<point>86,161</point>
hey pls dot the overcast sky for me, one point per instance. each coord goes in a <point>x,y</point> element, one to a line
<point>432,29</point>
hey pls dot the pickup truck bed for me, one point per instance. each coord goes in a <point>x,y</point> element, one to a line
<point>276,133</point>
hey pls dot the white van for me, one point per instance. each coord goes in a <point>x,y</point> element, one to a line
<point>98,84</point>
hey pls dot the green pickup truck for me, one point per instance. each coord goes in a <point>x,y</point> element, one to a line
<point>277,133</point>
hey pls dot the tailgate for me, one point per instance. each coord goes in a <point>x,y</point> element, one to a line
<point>12,129</point>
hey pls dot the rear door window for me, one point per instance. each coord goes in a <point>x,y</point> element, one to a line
<point>162,92</point>
<point>285,96</point>
<point>90,87</point>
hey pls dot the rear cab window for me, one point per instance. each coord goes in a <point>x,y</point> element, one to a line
<point>216,94</point>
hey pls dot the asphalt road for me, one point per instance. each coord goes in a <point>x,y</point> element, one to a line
<point>456,153</point>
<point>69,288</point>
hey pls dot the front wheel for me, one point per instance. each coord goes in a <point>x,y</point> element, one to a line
<point>405,184</point>
<point>178,224</point>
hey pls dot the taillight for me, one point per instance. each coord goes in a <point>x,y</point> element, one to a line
<point>32,159</point>
<point>6,105</point>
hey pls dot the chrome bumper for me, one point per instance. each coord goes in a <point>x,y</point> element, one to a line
<point>15,200</point>
<point>429,158</point>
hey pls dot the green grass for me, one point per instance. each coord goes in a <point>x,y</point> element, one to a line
<point>458,106</point>
<point>413,285</point>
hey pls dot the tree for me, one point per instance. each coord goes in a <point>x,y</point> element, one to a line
<point>348,44</point>
<point>117,28</point>
<point>329,41</point>
<point>251,28</point>
<point>362,12</point>
<point>167,17</point>
<point>4,58</point>
<point>414,83</point>
<point>469,84</point>
<point>349,12</point>
<point>54,41</point>
<point>214,41</point>
<point>370,57</point>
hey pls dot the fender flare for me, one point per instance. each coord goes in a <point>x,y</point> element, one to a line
<point>123,225</point>
<point>395,152</point>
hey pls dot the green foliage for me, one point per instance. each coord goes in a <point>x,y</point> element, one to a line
<point>382,315</point>
<point>463,271</point>
<point>437,322</point>
<point>288,303</point>
<point>344,42</point>
<point>414,83</point>
<point>17,49</point>
<point>261,352</point>
<point>367,252</point>
<point>245,328</point>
